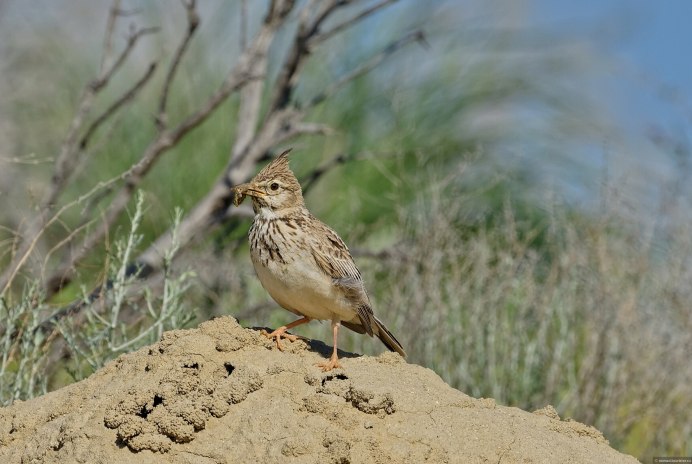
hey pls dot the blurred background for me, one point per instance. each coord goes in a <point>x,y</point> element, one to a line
<point>511,177</point>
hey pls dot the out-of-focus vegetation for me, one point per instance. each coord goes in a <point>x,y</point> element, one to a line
<point>477,260</point>
<point>92,337</point>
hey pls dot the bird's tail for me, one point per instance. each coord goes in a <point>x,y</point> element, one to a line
<point>388,338</point>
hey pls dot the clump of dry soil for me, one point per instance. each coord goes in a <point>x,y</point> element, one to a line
<point>222,393</point>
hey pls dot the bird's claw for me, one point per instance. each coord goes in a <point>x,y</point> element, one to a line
<point>277,334</point>
<point>332,363</point>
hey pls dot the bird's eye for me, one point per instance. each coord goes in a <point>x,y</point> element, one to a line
<point>274,186</point>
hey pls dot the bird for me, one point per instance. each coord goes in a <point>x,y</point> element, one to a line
<point>302,263</point>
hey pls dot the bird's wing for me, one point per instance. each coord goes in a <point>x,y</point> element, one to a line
<point>334,259</point>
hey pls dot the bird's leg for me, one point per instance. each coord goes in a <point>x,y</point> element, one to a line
<point>281,332</point>
<point>333,362</point>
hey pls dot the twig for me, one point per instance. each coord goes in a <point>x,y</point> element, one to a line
<point>364,68</point>
<point>319,38</point>
<point>235,81</point>
<point>285,83</point>
<point>192,25</point>
<point>108,36</point>
<point>129,95</point>
<point>251,103</point>
<point>65,162</point>
<point>70,236</point>
<point>132,40</point>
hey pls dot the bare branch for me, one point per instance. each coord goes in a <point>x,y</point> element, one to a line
<point>128,96</point>
<point>236,81</point>
<point>102,80</point>
<point>318,39</point>
<point>283,89</point>
<point>238,78</point>
<point>192,25</point>
<point>114,13</point>
<point>251,102</point>
<point>278,11</point>
<point>364,68</point>
<point>249,110</point>
<point>251,94</point>
<point>108,36</point>
<point>251,97</point>
<point>64,163</point>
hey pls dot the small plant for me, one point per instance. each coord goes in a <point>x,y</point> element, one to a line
<point>23,347</point>
<point>120,316</point>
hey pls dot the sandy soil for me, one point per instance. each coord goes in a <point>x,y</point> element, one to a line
<point>221,393</point>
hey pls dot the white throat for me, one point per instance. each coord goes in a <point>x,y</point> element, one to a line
<point>267,213</point>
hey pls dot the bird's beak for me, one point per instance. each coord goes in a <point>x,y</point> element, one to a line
<point>243,190</point>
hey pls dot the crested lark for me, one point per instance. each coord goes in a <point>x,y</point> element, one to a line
<point>302,263</point>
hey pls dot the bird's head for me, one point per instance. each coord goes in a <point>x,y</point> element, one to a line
<point>274,187</point>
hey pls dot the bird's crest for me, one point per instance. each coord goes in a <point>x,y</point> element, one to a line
<point>278,169</point>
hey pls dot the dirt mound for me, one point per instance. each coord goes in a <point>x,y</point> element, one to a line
<point>221,393</point>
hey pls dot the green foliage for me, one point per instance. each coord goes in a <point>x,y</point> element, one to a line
<point>123,318</point>
<point>24,357</point>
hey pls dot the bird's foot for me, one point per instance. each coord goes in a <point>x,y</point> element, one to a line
<point>277,334</point>
<point>332,363</point>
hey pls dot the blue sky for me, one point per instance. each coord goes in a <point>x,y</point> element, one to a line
<point>647,87</point>
<point>648,38</point>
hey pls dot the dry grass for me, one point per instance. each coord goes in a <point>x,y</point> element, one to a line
<point>580,313</point>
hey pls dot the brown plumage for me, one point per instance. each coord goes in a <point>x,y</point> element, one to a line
<point>302,263</point>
